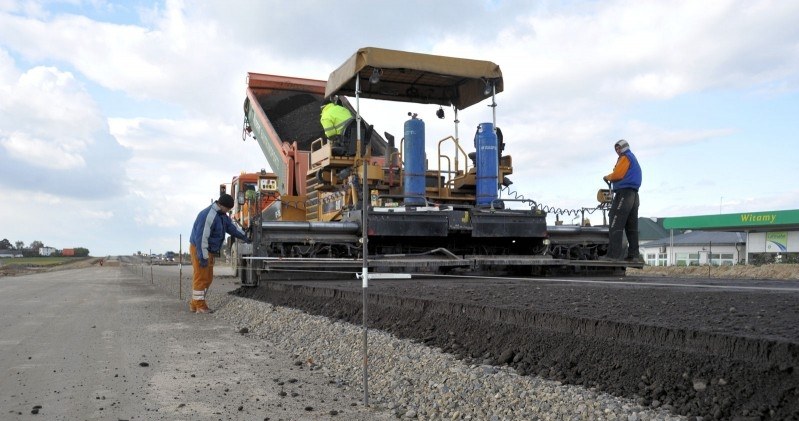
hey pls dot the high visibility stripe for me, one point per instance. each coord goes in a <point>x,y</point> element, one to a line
<point>198,295</point>
<point>209,220</point>
<point>338,127</point>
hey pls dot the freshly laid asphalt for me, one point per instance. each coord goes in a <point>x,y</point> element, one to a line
<point>720,349</point>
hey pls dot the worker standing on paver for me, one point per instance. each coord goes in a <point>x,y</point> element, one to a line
<point>626,180</point>
<point>207,237</point>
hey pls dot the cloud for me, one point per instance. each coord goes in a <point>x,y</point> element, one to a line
<point>178,165</point>
<point>168,61</point>
<point>53,133</point>
<point>40,153</point>
<point>621,52</point>
<point>653,138</point>
<point>576,77</point>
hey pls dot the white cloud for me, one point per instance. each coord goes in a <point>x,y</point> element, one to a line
<point>573,74</point>
<point>48,121</point>
<point>97,215</point>
<point>44,101</point>
<point>52,131</point>
<point>40,153</point>
<point>178,165</point>
<point>655,138</point>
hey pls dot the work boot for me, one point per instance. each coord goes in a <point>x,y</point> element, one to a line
<point>200,306</point>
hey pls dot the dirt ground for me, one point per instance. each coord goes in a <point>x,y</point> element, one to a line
<point>773,271</point>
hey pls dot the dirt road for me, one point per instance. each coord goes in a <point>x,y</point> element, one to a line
<point>102,343</point>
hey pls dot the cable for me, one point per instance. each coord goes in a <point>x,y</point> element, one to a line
<point>548,209</point>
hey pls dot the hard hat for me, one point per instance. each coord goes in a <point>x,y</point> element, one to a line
<point>623,145</point>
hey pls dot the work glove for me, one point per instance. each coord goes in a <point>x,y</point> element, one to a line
<point>203,263</point>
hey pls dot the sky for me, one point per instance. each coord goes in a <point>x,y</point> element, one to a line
<point>120,119</point>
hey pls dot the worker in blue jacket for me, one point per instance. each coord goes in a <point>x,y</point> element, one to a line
<point>625,181</point>
<point>207,237</point>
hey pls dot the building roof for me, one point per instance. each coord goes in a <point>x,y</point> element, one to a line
<point>650,229</point>
<point>701,238</point>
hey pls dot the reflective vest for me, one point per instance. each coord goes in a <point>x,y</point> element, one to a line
<point>632,177</point>
<point>335,119</point>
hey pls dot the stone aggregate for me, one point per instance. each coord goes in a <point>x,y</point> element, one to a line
<point>419,382</point>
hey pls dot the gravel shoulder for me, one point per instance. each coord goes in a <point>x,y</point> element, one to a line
<point>407,379</point>
<point>414,381</point>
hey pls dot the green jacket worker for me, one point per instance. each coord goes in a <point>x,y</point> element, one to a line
<point>334,119</point>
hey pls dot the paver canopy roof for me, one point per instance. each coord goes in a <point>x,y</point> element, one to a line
<point>415,77</point>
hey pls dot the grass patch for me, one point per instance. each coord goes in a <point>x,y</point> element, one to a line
<point>44,261</point>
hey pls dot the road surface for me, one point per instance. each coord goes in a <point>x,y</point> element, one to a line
<point>103,343</point>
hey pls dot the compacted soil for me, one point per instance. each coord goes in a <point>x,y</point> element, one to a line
<point>716,348</point>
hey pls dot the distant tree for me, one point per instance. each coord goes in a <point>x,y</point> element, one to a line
<point>20,245</point>
<point>5,244</point>
<point>36,245</point>
<point>81,252</point>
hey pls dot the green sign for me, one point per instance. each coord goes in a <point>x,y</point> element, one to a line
<point>776,242</point>
<point>730,221</point>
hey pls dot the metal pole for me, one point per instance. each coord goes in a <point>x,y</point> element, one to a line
<point>180,268</point>
<point>364,237</point>
<point>672,262</point>
<point>494,122</point>
<point>709,258</point>
<point>457,138</point>
<point>746,249</point>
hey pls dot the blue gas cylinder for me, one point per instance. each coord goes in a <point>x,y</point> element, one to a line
<point>414,162</point>
<point>487,164</point>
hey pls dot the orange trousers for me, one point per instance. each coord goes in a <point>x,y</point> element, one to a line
<point>202,278</point>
